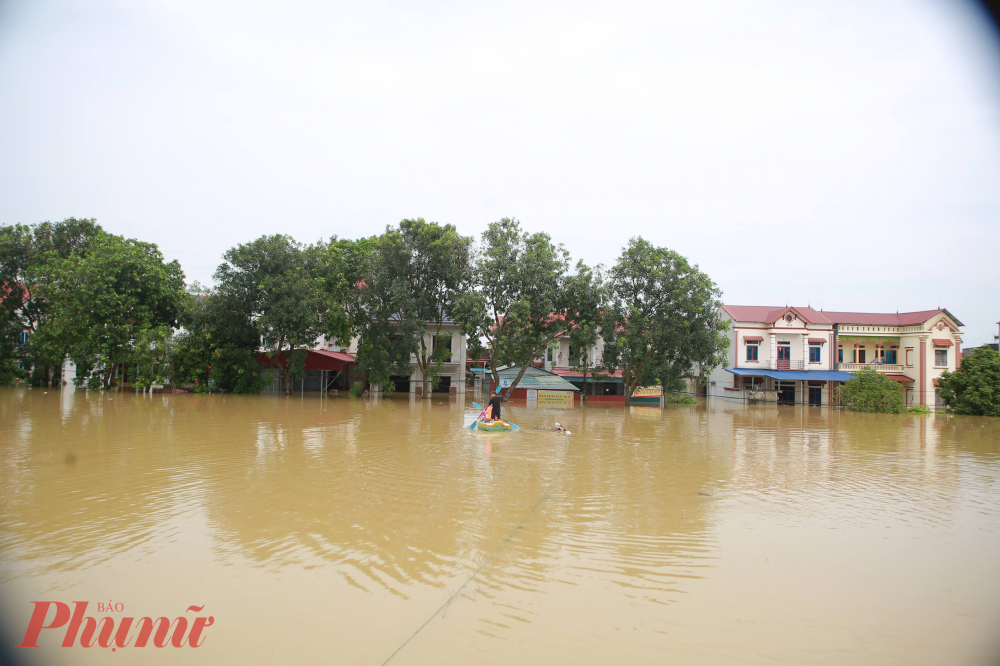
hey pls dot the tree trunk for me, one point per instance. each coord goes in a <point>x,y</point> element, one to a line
<point>48,374</point>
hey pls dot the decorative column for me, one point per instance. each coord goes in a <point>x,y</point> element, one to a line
<point>805,350</point>
<point>773,362</point>
<point>922,364</point>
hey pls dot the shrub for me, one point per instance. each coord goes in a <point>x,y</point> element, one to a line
<point>388,388</point>
<point>678,399</point>
<point>357,388</point>
<point>922,410</point>
<point>974,388</point>
<point>870,391</point>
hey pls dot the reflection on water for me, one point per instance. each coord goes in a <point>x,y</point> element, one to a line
<point>646,534</point>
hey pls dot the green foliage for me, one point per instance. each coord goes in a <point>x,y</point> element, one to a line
<point>919,410</point>
<point>287,294</point>
<point>385,340</point>
<point>28,257</point>
<point>388,388</point>
<point>871,391</point>
<point>519,302</point>
<point>419,270</point>
<point>974,388</point>
<point>662,318</point>
<point>217,345</point>
<point>110,304</point>
<point>678,399</point>
<point>357,388</point>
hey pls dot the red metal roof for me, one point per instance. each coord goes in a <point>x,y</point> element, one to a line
<point>899,378</point>
<point>942,343</point>
<point>340,356</point>
<point>316,359</point>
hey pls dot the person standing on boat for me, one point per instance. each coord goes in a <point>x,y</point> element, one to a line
<point>494,407</point>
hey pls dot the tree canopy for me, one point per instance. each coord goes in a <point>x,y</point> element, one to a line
<point>661,311</point>
<point>871,391</point>
<point>974,388</point>
<point>424,267</point>
<point>288,294</point>
<point>112,305</point>
<point>518,302</point>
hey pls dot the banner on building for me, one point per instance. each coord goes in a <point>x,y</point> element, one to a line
<point>648,395</point>
<point>555,398</point>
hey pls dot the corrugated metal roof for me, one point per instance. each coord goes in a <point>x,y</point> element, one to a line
<point>536,378</point>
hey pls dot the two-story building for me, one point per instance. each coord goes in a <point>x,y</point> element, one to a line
<point>452,377</point>
<point>799,355</point>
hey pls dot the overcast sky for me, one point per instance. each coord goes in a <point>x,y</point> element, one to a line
<point>843,155</point>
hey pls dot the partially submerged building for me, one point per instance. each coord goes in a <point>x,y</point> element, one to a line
<point>799,355</point>
<point>537,386</point>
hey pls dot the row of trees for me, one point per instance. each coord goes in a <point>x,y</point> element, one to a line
<point>114,304</point>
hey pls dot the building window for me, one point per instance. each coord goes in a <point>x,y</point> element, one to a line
<point>941,358</point>
<point>859,355</point>
<point>814,353</point>
<point>23,338</point>
<point>840,354</point>
<point>550,354</point>
<point>890,356</point>
<point>445,342</point>
<point>752,351</point>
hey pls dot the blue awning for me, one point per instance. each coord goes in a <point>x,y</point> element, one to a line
<point>794,375</point>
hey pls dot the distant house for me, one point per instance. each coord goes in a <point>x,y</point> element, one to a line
<point>452,377</point>
<point>801,354</point>
<point>538,386</point>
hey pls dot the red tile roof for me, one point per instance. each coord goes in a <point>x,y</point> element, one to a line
<point>942,343</point>
<point>767,314</point>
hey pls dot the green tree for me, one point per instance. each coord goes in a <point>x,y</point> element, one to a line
<point>429,266</point>
<point>27,258</point>
<point>217,345</point>
<point>385,339</point>
<point>871,391</point>
<point>661,311</point>
<point>974,388</point>
<point>111,307</point>
<point>584,296</point>
<point>283,291</point>
<point>519,301</point>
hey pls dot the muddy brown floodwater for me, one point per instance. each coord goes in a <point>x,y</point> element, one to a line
<point>347,531</point>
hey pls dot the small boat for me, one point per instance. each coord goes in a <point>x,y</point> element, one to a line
<point>494,426</point>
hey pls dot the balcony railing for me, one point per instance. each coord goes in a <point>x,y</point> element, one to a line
<point>781,364</point>
<point>879,367</point>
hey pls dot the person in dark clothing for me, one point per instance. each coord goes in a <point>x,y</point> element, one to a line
<point>494,413</point>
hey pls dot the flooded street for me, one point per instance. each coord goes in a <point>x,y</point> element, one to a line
<point>348,531</point>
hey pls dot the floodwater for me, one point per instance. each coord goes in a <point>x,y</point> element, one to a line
<point>349,531</point>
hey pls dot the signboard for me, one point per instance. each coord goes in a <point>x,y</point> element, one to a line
<point>555,398</point>
<point>648,395</point>
<point>532,396</point>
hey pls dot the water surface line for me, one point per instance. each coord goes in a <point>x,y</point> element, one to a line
<point>487,561</point>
